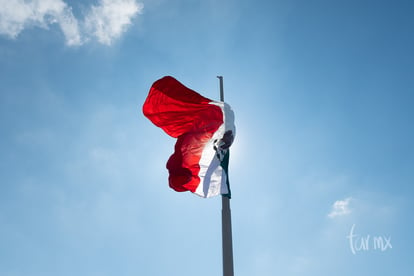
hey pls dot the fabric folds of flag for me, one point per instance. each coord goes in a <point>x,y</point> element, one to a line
<point>204,130</point>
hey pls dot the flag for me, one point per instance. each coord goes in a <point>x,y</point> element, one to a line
<point>204,130</point>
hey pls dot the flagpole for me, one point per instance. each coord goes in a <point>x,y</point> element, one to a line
<point>226,232</point>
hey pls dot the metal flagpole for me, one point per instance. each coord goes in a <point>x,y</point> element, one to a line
<point>227,240</point>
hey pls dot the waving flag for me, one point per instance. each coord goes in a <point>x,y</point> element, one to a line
<point>204,130</point>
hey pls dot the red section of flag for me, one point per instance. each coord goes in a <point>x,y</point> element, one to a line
<point>184,114</point>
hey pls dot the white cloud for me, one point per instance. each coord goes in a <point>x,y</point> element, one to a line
<point>340,208</point>
<point>13,15</point>
<point>105,22</point>
<point>110,18</point>
<point>70,29</point>
<point>16,15</point>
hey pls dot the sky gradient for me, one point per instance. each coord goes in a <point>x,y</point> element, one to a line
<point>323,158</point>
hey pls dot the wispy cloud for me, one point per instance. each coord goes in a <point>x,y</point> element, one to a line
<point>105,21</point>
<point>16,15</point>
<point>340,208</point>
<point>110,18</point>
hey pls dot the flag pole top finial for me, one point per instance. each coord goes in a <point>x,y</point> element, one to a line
<point>221,88</point>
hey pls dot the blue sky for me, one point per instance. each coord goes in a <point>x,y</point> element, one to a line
<point>322,93</point>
